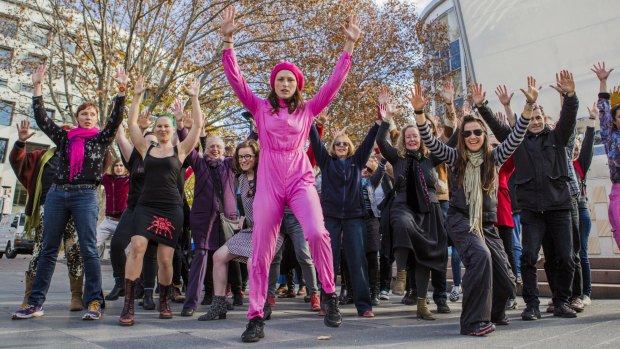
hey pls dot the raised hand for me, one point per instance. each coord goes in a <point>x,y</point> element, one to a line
<point>352,31</point>
<point>502,94</point>
<point>531,95</point>
<point>227,22</point>
<point>38,75</point>
<point>593,112</point>
<point>188,122</point>
<point>387,111</point>
<point>478,95</point>
<point>178,110</point>
<point>447,92</point>
<point>193,89</point>
<point>139,86</point>
<point>615,90</point>
<point>23,131</point>
<point>565,81</point>
<point>143,120</point>
<point>502,117</point>
<point>600,71</point>
<point>322,118</point>
<point>384,95</point>
<point>418,100</point>
<point>121,76</point>
<point>466,110</point>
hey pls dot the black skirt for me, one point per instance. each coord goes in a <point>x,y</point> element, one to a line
<point>162,223</point>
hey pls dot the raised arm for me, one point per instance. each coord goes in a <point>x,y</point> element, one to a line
<point>47,125</point>
<point>318,149</point>
<point>376,177</point>
<point>107,134</point>
<point>447,95</point>
<point>502,94</point>
<point>23,162</point>
<point>124,145</point>
<point>189,144</point>
<point>386,110</point>
<point>587,145</point>
<point>328,91</point>
<point>507,147</point>
<point>363,152</point>
<point>135,134</point>
<point>570,104</point>
<point>603,104</point>
<point>231,68</point>
<point>499,129</point>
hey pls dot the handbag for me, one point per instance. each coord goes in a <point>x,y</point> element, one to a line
<point>228,227</point>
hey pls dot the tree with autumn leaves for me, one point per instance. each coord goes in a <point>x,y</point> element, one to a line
<point>170,41</point>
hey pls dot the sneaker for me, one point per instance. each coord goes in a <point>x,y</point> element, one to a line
<point>530,313</point>
<point>384,295</point>
<point>587,300</point>
<point>564,310</point>
<point>367,313</point>
<point>511,304</point>
<point>455,294</point>
<point>481,329</point>
<point>94,311</point>
<point>332,318</point>
<point>576,304</point>
<point>27,311</point>
<point>315,302</point>
<point>254,331</point>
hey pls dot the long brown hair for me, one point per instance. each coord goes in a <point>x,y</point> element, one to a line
<point>296,101</point>
<point>488,168</point>
<point>252,144</point>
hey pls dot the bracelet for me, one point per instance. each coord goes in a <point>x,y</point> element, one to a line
<point>530,102</point>
<point>592,118</point>
<point>419,112</point>
<point>228,42</point>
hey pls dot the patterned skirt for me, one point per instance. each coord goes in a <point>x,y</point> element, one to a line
<point>240,244</point>
<point>162,223</point>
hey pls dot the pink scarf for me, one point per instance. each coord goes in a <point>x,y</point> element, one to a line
<point>77,138</point>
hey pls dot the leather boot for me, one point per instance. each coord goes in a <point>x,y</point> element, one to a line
<point>399,284</point>
<point>217,310</point>
<point>254,331</point>
<point>76,284</point>
<point>117,291</point>
<point>28,290</point>
<point>164,302</point>
<point>423,312</point>
<point>127,315</point>
<point>148,303</point>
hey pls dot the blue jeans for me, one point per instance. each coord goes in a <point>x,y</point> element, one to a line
<point>516,241</point>
<point>351,234</point>
<point>585,224</point>
<point>83,206</point>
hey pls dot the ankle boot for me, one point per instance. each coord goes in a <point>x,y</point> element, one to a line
<point>127,315</point>
<point>237,299</point>
<point>423,312</point>
<point>217,310</point>
<point>254,331</point>
<point>399,284</point>
<point>164,301</point>
<point>117,291</point>
<point>28,290</point>
<point>76,293</point>
<point>148,303</point>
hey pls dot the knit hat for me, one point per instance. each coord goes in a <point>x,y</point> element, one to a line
<point>290,67</point>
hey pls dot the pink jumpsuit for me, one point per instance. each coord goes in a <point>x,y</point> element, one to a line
<point>285,178</point>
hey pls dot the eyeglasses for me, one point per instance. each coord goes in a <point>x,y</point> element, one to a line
<point>478,132</point>
<point>245,157</point>
<point>341,144</point>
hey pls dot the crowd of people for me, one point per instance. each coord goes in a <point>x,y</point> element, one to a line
<point>182,210</point>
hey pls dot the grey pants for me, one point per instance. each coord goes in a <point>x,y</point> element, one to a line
<point>292,228</point>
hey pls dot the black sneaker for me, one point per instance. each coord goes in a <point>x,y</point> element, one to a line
<point>564,310</point>
<point>530,313</point>
<point>333,318</point>
<point>481,329</point>
<point>442,306</point>
<point>254,331</point>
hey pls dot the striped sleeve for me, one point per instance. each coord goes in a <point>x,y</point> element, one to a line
<point>440,150</point>
<point>504,150</point>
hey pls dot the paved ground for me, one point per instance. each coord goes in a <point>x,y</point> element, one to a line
<point>292,325</point>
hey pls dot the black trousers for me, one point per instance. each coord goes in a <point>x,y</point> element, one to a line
<point>552,231</point>
<point>505,233</point>
<point>488,279</point>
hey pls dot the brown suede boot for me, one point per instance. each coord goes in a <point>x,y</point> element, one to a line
<point>127,315</point>
<point>28,290</point>
<point>423,312</point>
<point>165,292</point>
<point>76,293</point>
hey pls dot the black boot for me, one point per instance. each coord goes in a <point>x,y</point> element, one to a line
<point>374,297</point>
<point>267,311</point>
<point>127,315</point>
<point>217,310</point>
<point>117,291</point>
<point>148,303</point>
<point>254,331</point>
<point>237,299</point>
<point>208,299</point>
<point>333,318</point>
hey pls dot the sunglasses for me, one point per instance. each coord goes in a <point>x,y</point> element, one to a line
<point>477,132</point>
<point>245,157</point>
<point>368,169</point>
<point>341,144</point>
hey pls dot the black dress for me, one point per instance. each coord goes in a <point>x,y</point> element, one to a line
<point>159,213</point>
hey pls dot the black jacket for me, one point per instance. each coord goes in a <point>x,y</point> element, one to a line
<point>541,167</point>
<point>341,189</point>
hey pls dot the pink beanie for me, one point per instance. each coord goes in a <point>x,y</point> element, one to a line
<point>290,67</point>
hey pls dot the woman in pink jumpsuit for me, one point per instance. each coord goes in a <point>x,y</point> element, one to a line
<point>284,175</point>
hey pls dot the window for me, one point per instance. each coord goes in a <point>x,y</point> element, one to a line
<point>6,56</point>
<point>3,145</point>
<point>31,62</point>
<point>8,26</point>
<point>21,195</point>
<point>41,35</point>
<point>455,55</point>
<point>6,112</point>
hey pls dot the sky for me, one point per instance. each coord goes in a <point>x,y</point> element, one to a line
<point>420,4</point>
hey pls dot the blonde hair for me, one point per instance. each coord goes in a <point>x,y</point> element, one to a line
<point>332,147</point>
<point>400,142</point>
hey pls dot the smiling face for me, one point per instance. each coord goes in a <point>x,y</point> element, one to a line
<point>215,149</point>
<point>412,139</point>
<point>367,171</point>
<point>474,136</point>
<point>341,147</point>
<point>246,158</point>
<point>285,84</point>
<point>163,129</point>
<point>87,117</point>
<point>537,122</point>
